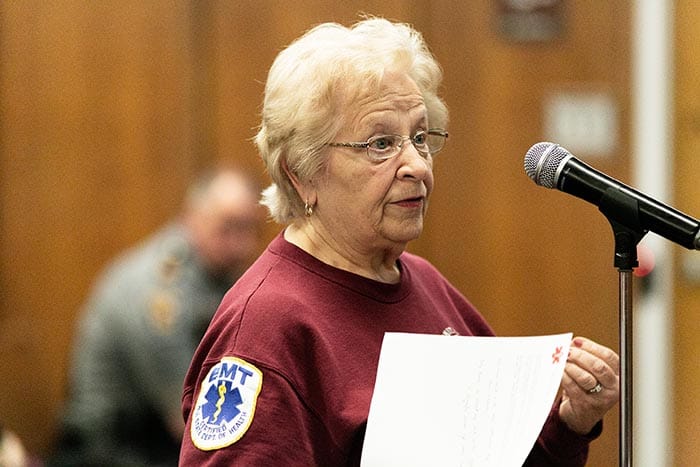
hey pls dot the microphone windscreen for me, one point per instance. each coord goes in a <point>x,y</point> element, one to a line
<point>542,161</point>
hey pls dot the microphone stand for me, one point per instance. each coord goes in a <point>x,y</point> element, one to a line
<point>623,215</point>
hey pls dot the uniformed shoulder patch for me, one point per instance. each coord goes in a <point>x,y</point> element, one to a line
<point>226,404</point>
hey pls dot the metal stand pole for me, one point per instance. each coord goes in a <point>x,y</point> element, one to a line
<point>625,368</point>
<point>623,215</point>
<point>626,240</point>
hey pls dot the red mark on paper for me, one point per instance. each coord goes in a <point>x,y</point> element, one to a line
<point>556,355</point>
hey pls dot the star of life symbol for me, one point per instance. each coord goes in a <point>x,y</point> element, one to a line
<point>225,405</point>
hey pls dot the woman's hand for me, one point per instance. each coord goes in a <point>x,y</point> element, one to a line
<point>590,385</point>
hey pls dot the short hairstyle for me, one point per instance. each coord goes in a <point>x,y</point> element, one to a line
<point>302,110</point>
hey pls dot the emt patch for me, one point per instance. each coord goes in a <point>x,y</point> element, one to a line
<point>226,404</point>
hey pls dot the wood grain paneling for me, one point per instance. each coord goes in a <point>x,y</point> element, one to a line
<point>96,147</point>
<point>686,178</point>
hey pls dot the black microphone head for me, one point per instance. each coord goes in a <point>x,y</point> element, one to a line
<point>542,162</point>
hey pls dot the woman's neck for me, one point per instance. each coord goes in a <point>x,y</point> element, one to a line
<point>379,267</point>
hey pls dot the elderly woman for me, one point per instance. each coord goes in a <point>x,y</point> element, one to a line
<point>285,373</point>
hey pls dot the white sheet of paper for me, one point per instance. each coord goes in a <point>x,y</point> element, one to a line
<point>457,401</point>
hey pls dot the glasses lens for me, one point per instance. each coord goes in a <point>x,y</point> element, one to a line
<point>420,142</point>
<point>383,147</point>
<point>435,142</point>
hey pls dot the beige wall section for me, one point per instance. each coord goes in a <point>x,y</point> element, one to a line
<point>108,108</point>
<point>687,198</point>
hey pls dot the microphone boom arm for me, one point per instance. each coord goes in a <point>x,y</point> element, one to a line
<point>621,204</point>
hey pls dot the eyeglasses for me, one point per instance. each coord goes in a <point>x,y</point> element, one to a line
<point>383,147</point>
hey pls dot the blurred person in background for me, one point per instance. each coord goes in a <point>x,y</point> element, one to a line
<point>284,374</point>
<point>143,321</point>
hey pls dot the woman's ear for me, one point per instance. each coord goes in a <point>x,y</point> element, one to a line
<point>306,191</point>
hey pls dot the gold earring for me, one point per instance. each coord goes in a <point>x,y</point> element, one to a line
<point>308,208</point>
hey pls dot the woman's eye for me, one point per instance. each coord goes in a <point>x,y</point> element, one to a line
<point>381,143</point>
<point>420,138</point>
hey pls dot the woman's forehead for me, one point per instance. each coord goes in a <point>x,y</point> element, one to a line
<point>397,97</point>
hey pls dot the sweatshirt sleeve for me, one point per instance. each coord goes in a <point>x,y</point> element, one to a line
<point>283,430</point>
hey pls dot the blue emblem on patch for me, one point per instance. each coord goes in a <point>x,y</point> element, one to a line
<point>222,403</point>
<point>226,404</point>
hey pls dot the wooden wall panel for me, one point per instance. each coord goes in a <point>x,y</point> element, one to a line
<point>108,109</point>
<point>687,198</point>
<point>96,146</point>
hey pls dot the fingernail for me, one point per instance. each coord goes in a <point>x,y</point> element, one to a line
<point>578,342</point>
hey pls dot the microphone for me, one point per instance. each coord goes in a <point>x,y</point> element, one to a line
<point>552,166</point>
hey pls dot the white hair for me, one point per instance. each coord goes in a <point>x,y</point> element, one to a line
<point>310,80</point>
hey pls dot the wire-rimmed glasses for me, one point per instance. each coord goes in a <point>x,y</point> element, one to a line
<point>383,147</point>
